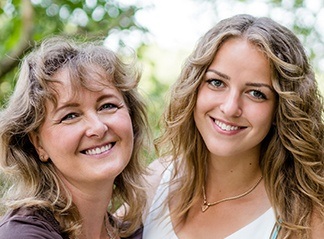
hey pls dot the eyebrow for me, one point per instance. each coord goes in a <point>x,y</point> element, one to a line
<point>108,96</point>
<point>220,74</point>
<point>260,85</point>
<point>72,104</point>
<point>226,77</point>
<point>64,106</point>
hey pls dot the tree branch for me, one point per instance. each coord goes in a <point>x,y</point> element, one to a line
<point>11,59</point>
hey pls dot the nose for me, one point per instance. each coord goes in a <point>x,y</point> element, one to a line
<point>96,127</point>
<point>231,105</point>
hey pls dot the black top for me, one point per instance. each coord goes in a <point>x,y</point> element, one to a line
<point>27,223</point>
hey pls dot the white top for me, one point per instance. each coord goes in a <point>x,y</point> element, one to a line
<point>158,223</point>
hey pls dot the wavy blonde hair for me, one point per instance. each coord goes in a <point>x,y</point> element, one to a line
<point>35,183</point>
<point>292,153</point>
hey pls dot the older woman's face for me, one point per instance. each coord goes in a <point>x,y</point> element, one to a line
<point>89,138</point>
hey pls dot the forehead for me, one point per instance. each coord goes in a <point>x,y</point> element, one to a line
<point>238,52</point>
<point>68,84</point>
<point>235,46</point>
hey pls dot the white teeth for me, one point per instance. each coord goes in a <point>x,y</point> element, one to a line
<point>98,150</point>
<point>226,127</point>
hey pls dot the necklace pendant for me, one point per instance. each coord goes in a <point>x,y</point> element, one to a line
<point>204,207</point>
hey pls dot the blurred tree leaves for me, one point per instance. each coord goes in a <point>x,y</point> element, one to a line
<point>24,22</point>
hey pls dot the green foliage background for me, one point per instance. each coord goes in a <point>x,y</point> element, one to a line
<point>24,22</point>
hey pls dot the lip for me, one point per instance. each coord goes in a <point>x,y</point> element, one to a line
<point>99,149</point>
<point>227,127</point>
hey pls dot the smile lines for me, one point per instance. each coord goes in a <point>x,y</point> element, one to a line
<point>226,127</point>
<point>99,150</point>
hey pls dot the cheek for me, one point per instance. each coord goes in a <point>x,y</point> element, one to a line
<point>198,111</point>
<point>122,126</point>
<point>127,135</point>
<point>204,100</point>
<point>60,141</point>
<point>130,131</point>
<point>262,116</point>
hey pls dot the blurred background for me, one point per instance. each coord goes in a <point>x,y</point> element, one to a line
<point>161,32</point>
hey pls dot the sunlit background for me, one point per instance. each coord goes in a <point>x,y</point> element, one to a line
<point>161,32</point>
<point>175,26</point>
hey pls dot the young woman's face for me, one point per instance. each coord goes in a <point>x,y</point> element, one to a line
<point>89,138</point>
<point>236,102</point>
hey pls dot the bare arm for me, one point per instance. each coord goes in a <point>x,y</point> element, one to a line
<point>155,169</point>
<point>152,179</point>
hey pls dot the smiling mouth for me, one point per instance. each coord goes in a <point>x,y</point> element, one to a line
<point>227,127</point>
<point>99,150</point>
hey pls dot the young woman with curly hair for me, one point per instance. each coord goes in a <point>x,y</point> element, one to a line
<point>242,141</point>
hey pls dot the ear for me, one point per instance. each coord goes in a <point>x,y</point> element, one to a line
<point>36,141</point>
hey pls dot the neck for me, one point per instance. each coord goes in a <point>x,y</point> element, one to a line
<point>230,176</point>
<point>93,207</point>
<point>93,222</point>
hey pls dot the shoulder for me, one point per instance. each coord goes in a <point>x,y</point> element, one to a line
<point>29,224</point>
<point>156,170</point>
<point>155,173</point>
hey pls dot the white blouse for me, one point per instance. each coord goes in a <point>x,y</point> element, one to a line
<point>158,223</point>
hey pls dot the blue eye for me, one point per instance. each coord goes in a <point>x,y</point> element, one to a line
<point>258,94</point>
<point>69,116</point>
<point>215,83</point>
<point>108,106</point>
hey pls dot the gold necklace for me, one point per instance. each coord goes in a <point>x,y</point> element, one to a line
<point>206,204</point>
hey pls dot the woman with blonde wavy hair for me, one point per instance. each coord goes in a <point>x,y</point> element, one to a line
<point>71,137</point>
<point>242,144</point>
